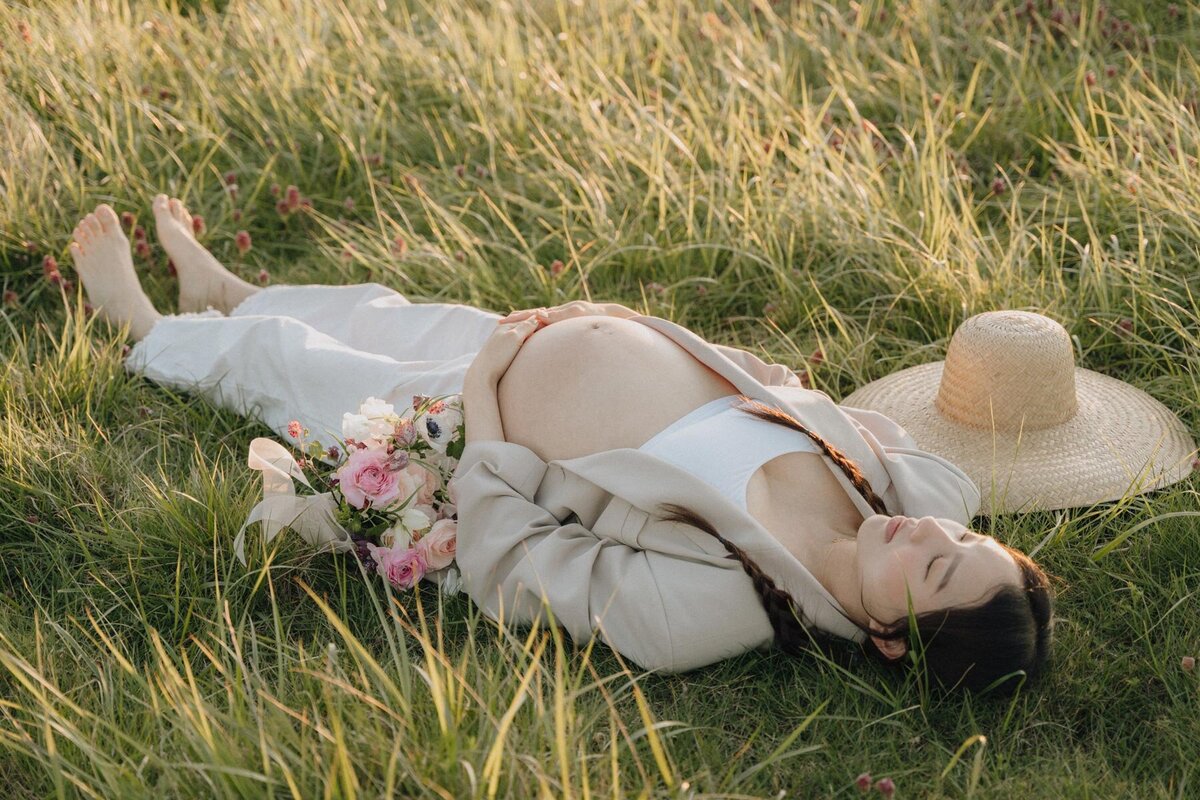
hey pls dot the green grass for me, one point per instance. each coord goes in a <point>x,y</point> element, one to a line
<point>779,176</point>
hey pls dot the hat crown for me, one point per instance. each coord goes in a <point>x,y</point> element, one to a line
<point>1009,371</point>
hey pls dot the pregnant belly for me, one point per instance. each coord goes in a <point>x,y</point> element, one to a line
<point>590,384</point>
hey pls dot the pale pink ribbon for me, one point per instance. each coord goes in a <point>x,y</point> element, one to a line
<point>311,516</point>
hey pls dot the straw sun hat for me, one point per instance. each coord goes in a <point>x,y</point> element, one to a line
<point>1035,432</point>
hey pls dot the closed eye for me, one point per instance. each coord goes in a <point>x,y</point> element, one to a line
<point>962,538</point>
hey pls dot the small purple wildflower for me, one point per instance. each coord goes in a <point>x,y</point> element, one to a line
<point>363,552</point>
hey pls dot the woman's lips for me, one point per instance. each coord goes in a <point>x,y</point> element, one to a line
<point>893,525</point>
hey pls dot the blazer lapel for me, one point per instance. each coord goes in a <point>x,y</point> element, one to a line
<point>646,481</point>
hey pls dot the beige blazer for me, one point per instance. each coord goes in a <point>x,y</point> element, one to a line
<point>585,533</point>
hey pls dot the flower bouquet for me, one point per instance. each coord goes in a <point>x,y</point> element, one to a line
<point>388,498</point>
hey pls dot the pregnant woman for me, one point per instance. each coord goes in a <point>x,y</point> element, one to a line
<point>684,501</point>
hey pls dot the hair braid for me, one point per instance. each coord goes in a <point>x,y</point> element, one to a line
<point>783,612</point>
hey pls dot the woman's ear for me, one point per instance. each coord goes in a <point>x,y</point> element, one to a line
<point>894,649</point>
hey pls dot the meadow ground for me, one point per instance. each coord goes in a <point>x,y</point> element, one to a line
<point>856,178</point>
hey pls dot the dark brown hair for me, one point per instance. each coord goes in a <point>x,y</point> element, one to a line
<point>998,641</point>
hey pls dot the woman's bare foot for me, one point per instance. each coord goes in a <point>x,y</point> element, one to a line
<point>102,259</point>
<point>203,281</point>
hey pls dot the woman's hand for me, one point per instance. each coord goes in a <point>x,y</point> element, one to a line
<point>498,352</point>
<point>575,308</point>
<point>480,384</point>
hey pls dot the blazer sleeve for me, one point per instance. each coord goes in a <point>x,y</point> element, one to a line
<point>663,610</point>
<point>764,373</point>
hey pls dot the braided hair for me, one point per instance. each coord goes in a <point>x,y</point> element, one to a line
<point>1005,636</point>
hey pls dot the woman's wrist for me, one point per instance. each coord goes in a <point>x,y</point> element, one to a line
<point>481,412</point>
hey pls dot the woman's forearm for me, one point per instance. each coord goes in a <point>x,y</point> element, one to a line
<point>481,413</point>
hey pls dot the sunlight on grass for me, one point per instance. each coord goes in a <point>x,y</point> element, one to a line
<point>851,177</point>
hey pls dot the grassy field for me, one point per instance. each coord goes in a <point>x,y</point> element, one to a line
<point>854,177</point>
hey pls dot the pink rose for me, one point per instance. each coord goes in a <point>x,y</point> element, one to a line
<point>441,543</point>
<point>365,479</point>
<point>447,511</point>
<point>403,567</point>
<point>409,483</point>
<point>428,480</point>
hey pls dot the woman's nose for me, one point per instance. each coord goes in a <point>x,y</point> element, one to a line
<point>926,526</point>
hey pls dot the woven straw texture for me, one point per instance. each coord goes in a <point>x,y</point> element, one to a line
<point>1115,439</point>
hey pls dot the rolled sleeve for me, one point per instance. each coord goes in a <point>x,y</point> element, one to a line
<point>665,611</point>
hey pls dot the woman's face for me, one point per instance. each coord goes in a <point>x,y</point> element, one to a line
<point>943,563</point>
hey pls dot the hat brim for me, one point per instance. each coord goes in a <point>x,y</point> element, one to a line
<point>1121,441</point>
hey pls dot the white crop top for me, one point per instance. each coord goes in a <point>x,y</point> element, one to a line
<point>724,446</point>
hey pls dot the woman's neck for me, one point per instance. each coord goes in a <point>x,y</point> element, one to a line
<point>807,509</point>
<point>803,505</point>
<point>836,568</point>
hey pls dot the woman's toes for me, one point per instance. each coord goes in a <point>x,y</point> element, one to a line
<point>181,213</point>
<point>109,221</point>
<point>92,224</point>
<point>76,252</point>
<point>160,203</point>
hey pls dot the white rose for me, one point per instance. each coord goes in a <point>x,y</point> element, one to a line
<point>379,427</point>
<point>374,407</point>
<point>377,418</point>
<point>355,426</point>
<point>414,519</point>
<point>396,537</point>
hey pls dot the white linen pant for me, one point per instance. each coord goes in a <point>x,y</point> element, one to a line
<point>314,352</point>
